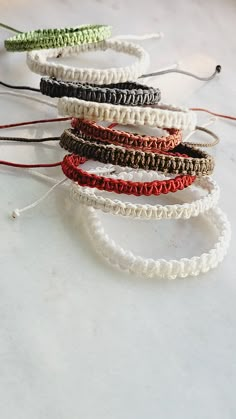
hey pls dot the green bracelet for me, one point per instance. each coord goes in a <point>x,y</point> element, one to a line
<point>54,38</point>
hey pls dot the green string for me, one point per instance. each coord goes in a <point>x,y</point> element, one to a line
<point>2,25</point>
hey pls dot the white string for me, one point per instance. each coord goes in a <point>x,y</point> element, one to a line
<point>29,97</point>
<point>144,37</point>
<point>98,170</point>
<point>17,212</point>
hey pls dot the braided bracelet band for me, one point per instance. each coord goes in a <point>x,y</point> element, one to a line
<point>128,93</point>
<point>55,38</point>
<point>162,116</point>
<point>90,197</point>
<point>38,62</point>
<point>72,171</point>
<point>159,268</point>
<point>91,130</point>
<point>196,162</point>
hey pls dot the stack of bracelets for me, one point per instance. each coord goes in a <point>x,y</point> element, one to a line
<point>140,165</point>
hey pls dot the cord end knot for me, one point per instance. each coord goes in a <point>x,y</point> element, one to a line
<point>15,213</point>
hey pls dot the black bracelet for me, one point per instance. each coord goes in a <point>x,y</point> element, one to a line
<point>129,93</point>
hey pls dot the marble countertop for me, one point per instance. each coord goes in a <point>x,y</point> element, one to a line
<point>79,339</point>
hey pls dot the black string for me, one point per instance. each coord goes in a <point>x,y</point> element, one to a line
<point>33,89</point>
<point>30,140</point>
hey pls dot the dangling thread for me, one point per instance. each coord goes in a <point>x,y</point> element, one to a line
<point>144,37</point>
<point>233,118</point>
<point>9,28</point>
<point>35,99</point>
<point>29,166</point>
<point>17,212</point>
<point>29,140</point>
<point>10,86</point>
<point>38,121</point>
<point>186,73</point>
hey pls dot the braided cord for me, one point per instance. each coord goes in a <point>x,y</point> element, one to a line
<point>91,130</point>
<point>126,260</point>
<point>184,160</point>
<point>128,93</point>
<point>92,198</point>
<point>56,38</point>
<point>72,171</point>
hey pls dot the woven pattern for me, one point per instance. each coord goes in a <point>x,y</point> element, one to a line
<point>72,171</point>
<point>195,163</point>
<point>162,116</point>
<point>91,130</point>
<point>37,62</point>
<point>55,38</point>
<point>129,93</point>
<point>159,268</point>
<point>91,198</point>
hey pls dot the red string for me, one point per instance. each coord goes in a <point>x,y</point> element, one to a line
<point>233,118</point>
<point>29,166</point>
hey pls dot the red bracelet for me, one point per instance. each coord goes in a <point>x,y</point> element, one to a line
<point>70,168</point>
<point>127,139</point>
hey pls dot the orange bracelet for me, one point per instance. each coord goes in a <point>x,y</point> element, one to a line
<point>90,129</point>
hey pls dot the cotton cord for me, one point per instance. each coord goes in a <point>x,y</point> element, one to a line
<point>203,128</point>
<point>71,170</point>
<point>128,93</point>
<point>54,38</point>
<point>38,62</point>
<point>28,97</point>
<point>17,212</point>
<point>29,140</point>
<point>10,86</point>
<point>125,260</point>
<point>9,28</point>
<point>185,73</point>
<point>183,159</point>
<point>37,121</point>
<point>92,198</point>
<point>91,130</point>
<point>162,115</point>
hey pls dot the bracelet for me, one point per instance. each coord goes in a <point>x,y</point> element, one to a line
<point>37,62</point>
<point>55,38</point>
<point>162,116</point>
<point>91,198</point>
<point>128,93</point>
<point>72,171</point>
<point>186,160</point>
<point>91,130</point>
<point>160,268</point>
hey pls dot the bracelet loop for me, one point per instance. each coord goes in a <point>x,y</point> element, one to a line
<point>55,38</point>
<point>38,62</point>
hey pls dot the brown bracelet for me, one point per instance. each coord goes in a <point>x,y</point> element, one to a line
<point>196,163</point>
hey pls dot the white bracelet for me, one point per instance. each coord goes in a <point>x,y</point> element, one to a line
<point>38,62</point>
<point>161,115</point>
<point>93,198</point>
<point>161,268</point>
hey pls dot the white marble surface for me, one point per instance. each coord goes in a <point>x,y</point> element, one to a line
<point>78,339</point>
